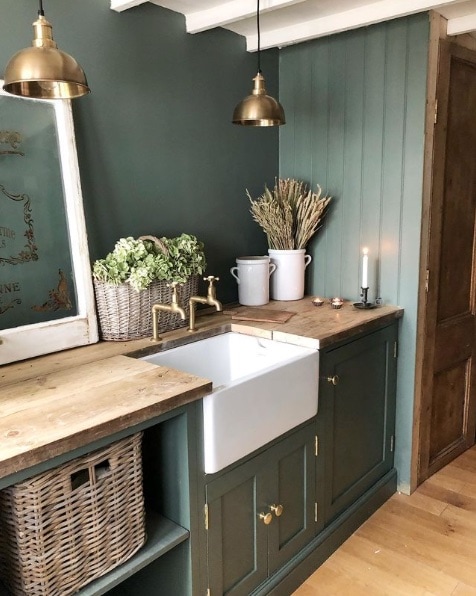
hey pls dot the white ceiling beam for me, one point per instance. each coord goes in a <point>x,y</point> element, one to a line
<point>460,25</point>
<point>121,5</point>
<point>230,12</point>
<point>336,23</point>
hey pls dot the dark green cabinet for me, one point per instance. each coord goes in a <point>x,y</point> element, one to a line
<point>260,514</point>
<point>357,416</point>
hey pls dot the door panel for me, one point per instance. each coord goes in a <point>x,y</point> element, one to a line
<point>448,416</point>
<point>237,539</point>
<point>448,402</point>
<point>359,414</point>
<point>293,488</point>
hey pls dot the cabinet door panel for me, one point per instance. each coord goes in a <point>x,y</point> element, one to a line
<point>360,417</point>
<point>237,539</point>
<point>293,488</point>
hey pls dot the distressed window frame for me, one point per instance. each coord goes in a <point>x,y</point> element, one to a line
<point>27,341</point>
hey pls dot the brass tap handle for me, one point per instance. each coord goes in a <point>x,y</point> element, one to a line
<point>277,510</point>
<point>211,279</point>
<point>266,517</point>
<point>174,286</point>
<point>334,380</point>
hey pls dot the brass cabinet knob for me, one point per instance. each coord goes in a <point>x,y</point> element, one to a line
<point>266,517</point>
<point>334,380</point>
<point>277,510</point>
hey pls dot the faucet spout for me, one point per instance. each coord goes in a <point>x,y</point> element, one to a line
<point>173,307</point>
<point>210,299</point>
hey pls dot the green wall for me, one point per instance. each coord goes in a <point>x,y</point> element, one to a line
<point>355,107</point>
<point>158,153</point>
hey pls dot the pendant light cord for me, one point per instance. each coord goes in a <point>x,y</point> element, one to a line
<point>259,37</point>
<point>41,12</point>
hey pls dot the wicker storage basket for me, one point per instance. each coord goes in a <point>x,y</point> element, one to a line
<point>70,525</point>
<point>126,314</point>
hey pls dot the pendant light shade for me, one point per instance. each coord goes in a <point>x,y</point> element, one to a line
<point>259,109</point>
<point>42,71</point>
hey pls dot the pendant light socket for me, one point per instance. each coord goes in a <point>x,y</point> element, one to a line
<point>43,71</point>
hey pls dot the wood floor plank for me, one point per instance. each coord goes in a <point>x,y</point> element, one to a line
<point>461,590</point>
<point>446,496</point>
<point>418,545</point>
<point>400,567</point>
<point>329,582</point>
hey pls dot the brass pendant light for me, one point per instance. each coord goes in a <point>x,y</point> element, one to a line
<point>42,71</point>
<point>259,109</point>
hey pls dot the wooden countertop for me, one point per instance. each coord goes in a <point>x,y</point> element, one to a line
<point>53,404</point>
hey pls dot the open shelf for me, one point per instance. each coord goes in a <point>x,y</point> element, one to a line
<point>162,536</point>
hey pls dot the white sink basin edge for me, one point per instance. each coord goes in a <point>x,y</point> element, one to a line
<point>262,389</point>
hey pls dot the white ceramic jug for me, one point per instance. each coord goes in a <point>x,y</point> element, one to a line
<point>288,281</point>
<point>252,275</point>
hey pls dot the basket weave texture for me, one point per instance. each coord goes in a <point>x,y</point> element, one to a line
<point>66,527</point>
<point>126,314</point>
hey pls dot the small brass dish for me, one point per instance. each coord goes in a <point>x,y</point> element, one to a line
<point>337,302</point>
<point>317,301</point>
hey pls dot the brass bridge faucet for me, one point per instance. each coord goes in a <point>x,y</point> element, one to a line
<point>210,299</point>
<point>173,307</point>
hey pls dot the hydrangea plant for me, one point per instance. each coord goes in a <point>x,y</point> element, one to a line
<point>141,261</point>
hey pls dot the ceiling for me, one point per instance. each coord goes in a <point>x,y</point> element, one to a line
<point>286,22</point>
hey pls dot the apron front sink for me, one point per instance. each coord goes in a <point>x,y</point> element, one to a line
<point>261,389</point>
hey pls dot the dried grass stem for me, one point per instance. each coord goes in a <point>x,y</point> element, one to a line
<point>290,214</point>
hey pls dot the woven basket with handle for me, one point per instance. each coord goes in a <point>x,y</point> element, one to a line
<point>126,314</point>
<point>65,527</point>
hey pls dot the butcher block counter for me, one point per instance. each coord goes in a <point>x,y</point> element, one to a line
<point>54,404</point>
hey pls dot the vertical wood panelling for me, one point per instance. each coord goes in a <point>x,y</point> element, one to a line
<point>366,92</point>
<point>353,139</point>
<point>332,284</point>
<point>392,167</point>
<point>319,126</point>
<point>372,153</point>
<point>411,212</point>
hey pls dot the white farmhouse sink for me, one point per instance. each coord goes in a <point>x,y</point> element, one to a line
<point>261,389</point>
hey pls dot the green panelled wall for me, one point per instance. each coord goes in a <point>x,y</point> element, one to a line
<point>158,153</point>
<point>355,108</point>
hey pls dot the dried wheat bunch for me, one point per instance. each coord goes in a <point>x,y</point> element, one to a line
<point>290,214</point>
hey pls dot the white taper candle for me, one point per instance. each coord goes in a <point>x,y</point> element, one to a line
<point>365,268</point>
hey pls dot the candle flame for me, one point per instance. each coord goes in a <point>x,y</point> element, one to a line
<point>365,251</point>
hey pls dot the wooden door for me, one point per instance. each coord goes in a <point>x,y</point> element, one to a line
<point>359,414</point>
<point>448,405</point>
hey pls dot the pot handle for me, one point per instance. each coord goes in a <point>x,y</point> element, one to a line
<point>232,271</point>
<point>272,268</point>
<point>307,260</point>
<point>160,245</point>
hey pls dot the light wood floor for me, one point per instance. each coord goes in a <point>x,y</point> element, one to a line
<point>423,544</point>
